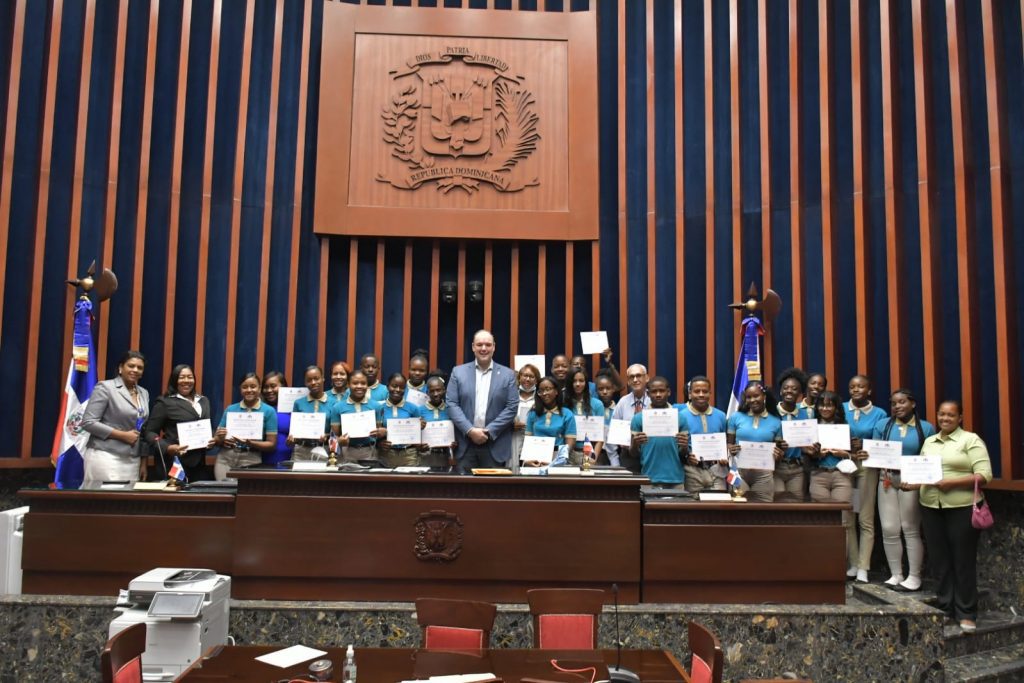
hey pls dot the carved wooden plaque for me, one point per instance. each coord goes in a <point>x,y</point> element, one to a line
<point>457,123</point>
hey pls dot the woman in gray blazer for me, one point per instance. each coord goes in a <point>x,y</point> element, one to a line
<point>114,417</point>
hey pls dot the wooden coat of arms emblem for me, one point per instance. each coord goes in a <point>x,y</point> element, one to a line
<point>459,118</point>
<point>438,536</point>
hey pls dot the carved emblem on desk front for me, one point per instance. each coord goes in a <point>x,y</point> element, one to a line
<point>438,536</point>
<point>460,118</point>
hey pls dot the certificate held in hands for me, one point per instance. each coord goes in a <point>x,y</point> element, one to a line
<point>834,437</point>
<point>709,447</point>
<point>244,425</point>
<point>308,425</point>
<point>756,455</point>
<point>921,469</point>
<point>537,449</point>
<point>358,425</point>
<point>438,434</point>
<point>589,426</point>
<point>661,422</point>
<point>800,433</point>
<point>286,397</point>
<point>884,454</point>
<point>404,430</point>
<point>619,433</point>
<point>195,434</point>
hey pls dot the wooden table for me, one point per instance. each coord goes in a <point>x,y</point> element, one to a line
<point>94,542</point>
<point>319,536</point>
<point>389,665</point>
<point>744,552</point>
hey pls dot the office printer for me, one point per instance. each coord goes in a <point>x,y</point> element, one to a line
<point>185,612</point>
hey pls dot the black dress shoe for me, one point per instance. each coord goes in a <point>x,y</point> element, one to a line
<point>900,588</point>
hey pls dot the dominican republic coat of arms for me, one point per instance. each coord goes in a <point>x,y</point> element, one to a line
<point>460,118</point>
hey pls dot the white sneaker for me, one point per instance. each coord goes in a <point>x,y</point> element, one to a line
<point>862,575</point>
<point>911,583</point>
<point>894,580</point>
<point>851,572</point>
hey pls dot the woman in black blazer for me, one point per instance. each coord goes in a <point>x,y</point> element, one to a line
<point>181,403</point>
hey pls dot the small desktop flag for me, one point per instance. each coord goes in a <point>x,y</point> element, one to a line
<point>734,479</point>
<point>748,366</point>
<point>70,439</point>
<point>588,448</point>
<point>332,444</point>
<point>177,471</point>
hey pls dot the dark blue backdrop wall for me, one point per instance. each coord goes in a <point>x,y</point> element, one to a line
<point>861,157</point>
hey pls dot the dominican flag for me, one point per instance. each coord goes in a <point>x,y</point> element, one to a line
<point>734,479</point>
<point>748,366</point>
<point>588,448</point>
<point>70,440</point>
<point>177,471</point>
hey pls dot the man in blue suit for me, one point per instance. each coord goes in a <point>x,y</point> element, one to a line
<point>482,402</point>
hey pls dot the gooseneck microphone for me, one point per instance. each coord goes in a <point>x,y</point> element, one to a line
<point>617,673</point>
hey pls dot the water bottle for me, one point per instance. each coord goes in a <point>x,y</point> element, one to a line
<point>348,671</point>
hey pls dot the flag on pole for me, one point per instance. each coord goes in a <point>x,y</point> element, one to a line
<point>70,440</point>
<point>734,479</point>
<point>748,366</point>
<point>177,470</point>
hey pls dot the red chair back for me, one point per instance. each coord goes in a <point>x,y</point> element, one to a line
<point>708,660</point>
<point>121,659</point>
<point>565,618</point>
<point>455,624</point>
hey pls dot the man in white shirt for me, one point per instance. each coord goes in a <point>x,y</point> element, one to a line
<point>628,406</point>
<point>482,402</point>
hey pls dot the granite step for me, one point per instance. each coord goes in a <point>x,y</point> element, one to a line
<point>1002,665</point>
<point>995,630</point>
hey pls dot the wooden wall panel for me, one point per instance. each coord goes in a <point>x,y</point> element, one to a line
<point>535,288</point>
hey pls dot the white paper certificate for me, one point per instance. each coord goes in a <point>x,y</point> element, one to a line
<point>308,425</point>
<point>883,454</point>
<point>245,425</point>
<point>593,342</point>
<point>403,430</point>
<point>800,433</point>
<point>286,397</point>
<point>416,398</point>
<point>660,422</point>
<point>537,449</point>
<point>921,469</point>
<point>834,437</point>
<point>536,361</point>
<point>439,434</point>
<point>709,446</point>
<point>756,455</point>
<point>196,434</point>
<point>619,433</point>
<point>591,426</point>
<point>358,425</point>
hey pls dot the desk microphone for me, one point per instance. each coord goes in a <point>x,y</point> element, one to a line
<point>617,673</point>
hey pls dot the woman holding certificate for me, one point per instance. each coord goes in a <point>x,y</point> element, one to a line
<point>307,433</point>
<point>433,413</point>
<point>339,379</point>
<point>272,383</point>
<point>550,418</point>
<point>789,471</point>
<point>753,432</point>
<point>899,510</point>
<point>356,414</point>
<point>862,416</point>
<point>400,447</point>
<point>583,405</point>
<point>829,483</point>
<point>527,380</point>
<point>246,429</point>
<point>181,405</point>
<point>117,410</point>
<point>946,508</point>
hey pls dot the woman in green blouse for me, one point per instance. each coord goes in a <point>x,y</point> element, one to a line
<point>946,514</point>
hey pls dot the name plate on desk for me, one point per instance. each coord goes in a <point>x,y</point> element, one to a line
<point>311,466</point>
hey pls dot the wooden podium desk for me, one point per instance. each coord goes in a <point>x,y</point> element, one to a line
<point>392,537</point>
<point>93,542</point>
<point>389,665</point>
<point>744,552</point>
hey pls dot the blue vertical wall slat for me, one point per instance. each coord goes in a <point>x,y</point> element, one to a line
<point>636,181</point>
<point>696,254</point>
<point>668,285</point>
<point>723,250</point>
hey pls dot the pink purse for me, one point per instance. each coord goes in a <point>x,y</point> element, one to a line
<point>981,514</point>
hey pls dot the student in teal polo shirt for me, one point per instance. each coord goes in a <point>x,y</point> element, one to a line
<point>661,457</point>
<point>900,510</point>
<point>608,394</point>
<point>316,401</point>
<point>236,452</point>
<point>703,418</point>
<point>550,418</point>
<point>436,410</point>
<point>355,449</point>
<point>789,471</point>
<point>417,380</point>
<point>755,422</point>
<point>828,484</point>
<point>582,403</point>
<point>862,416</point>
<point>370,366</point>
<point>396,407</point>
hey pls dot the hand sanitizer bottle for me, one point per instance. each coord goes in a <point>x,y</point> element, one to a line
<point>348,671</point>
